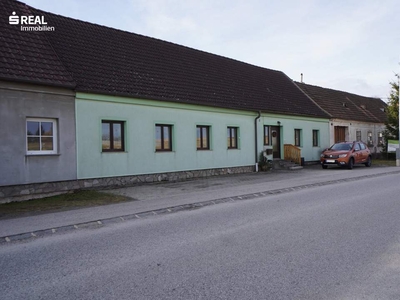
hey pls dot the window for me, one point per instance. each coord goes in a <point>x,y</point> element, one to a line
<point>203,137</point>
<point>41,136</point>
<point>358,136</point>
<point>380,139</point>
<point>266,135</point>
<point>163,137</point>
<point>315,140</point>
<point>113,137</point>
<point>369,140</point>
<point>297,137</point>
<point>232,137</point>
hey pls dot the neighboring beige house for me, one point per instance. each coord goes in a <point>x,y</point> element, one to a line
<point>353,117</point>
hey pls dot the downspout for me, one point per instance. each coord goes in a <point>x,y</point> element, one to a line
<point>375,140</point>
<point>255,139</point>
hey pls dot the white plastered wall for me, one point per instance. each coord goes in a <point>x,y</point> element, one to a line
<point>351,132</point>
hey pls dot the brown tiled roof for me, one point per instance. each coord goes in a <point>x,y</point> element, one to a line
<point>109,61</point>
<point>346,106</point>
<point>28,56</point>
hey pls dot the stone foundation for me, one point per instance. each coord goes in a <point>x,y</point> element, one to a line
<point>39,190</point>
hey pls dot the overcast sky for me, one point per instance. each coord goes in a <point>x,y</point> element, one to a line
<point>349,45</point>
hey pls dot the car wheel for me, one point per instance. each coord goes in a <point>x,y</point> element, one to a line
<point>369,162</point>
<point>351,164</point>
<point>324,167</point>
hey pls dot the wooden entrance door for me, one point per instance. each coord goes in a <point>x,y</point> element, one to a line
<point>340,134</point>
<point>276,141</point>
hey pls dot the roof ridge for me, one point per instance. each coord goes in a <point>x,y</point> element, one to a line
<point>106,60</point>
<point>327,88</point>
<point>329,99</point>
<point>152,38</point>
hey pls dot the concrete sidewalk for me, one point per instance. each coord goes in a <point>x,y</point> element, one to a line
<point>159,197</point>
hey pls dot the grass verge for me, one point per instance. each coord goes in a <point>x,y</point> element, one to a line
<point>384,162</point>
<point>78,199</point>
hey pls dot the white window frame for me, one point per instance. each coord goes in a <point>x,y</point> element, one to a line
<point>55,137</point>
<point>380,139</point>
<point>370,139</point>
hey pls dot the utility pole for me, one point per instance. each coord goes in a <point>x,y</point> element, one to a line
<point>398,149</point>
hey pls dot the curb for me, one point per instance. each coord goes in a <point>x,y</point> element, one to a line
<point>142,215</point>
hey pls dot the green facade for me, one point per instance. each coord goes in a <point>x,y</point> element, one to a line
<point>306,125</point>
<point>140,118</point>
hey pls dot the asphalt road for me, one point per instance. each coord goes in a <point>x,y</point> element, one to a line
<point>340,241</point>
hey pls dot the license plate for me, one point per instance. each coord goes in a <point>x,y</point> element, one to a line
<point>330,161</point>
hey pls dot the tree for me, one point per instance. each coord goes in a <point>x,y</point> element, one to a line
<point>392,111</point>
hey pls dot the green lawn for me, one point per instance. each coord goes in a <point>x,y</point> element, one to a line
<point>68,201</point>
<point>384,162</point>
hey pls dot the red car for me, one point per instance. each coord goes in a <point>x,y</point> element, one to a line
<point>346,154</point>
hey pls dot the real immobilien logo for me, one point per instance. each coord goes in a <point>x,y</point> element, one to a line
<point>30,23</point>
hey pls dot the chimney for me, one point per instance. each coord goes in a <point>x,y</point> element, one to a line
<point>301,78</point>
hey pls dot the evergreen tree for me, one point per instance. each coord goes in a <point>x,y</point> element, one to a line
<point>392,123</point>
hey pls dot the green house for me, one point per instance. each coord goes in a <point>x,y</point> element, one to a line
<point>150,108</point>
